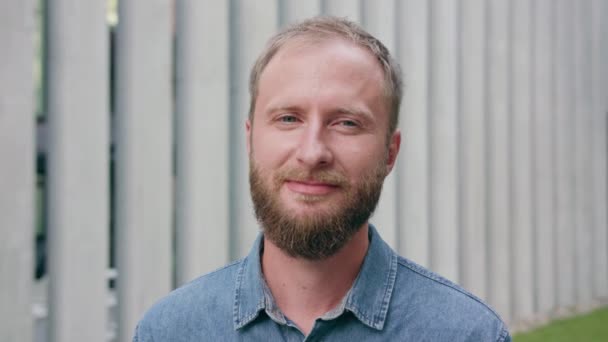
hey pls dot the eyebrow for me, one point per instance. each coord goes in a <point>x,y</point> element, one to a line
<point>275,109</point>
<point>356,112</point>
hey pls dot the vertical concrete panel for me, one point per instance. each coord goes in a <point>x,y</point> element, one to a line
<point>443,110</point>
<point>564,113</point>
<point>342,8</point>
<point>521,187</point>
<point>379,19</point>
<point>143,203</point>
<point>543,128</point>
<point>472,97</point>
<point>599,121</point>
<point>17,155</point>
<point>295,10</point>
<point>498,123</point>
<point>253,24</point>
<point>202,114</point>
<point>413,163</point>
<point>582,158</point>
<point>78,166</point>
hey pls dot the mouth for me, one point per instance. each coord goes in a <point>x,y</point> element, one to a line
<point>310,187</point>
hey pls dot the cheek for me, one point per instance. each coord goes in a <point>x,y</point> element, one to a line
<point>269,149</point>
<point>359,158</point>
<point>361,151</point>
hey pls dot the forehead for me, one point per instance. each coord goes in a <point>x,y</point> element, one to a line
<point>333,67</point>
<point>326,50</point>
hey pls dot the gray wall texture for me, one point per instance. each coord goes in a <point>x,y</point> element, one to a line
<point>501,183</point>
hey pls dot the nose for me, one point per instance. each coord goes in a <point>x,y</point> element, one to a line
<point>313,150</point>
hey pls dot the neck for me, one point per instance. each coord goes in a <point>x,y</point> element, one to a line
<point>303,289</point>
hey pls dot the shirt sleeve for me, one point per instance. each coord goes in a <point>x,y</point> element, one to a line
<point>140,336</point>
<point>136,335</point>
<point>504,336</point>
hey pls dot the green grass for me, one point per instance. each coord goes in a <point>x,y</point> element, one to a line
<point>586,328</point>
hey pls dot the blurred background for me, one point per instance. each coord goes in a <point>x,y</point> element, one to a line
<point>123,169</point>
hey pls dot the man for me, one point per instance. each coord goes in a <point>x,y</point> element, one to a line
<point>321,137</point>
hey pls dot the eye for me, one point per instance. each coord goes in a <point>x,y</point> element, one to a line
<point>288,119</point>
<point>349,123</point>
<point>345,123</point>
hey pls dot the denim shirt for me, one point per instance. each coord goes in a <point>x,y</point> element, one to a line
<point>392,299</point>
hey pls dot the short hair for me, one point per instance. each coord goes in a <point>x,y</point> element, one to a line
<point>326,28</point>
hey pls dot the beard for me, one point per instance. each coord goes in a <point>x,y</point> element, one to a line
<point>322,233</point>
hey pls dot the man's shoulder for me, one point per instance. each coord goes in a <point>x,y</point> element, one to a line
<point>206,289</point>
<point>204,304</point>
<point>439,302</point>
<point>420,280</point>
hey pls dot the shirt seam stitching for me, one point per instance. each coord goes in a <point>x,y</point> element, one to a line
<point>503,334</point>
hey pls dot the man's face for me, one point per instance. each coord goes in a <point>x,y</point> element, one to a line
<point>318,146</point>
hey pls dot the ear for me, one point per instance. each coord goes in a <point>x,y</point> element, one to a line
<point>393,150</point>
<point>248,136</point>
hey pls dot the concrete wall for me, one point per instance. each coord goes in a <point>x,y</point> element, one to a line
<point>500,184</point>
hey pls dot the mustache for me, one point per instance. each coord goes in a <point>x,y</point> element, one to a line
<point>330,177</point>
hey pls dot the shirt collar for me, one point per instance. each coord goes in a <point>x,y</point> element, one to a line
<point>368,299</point>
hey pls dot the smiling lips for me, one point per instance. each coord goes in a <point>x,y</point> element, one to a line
<point>310,187</point>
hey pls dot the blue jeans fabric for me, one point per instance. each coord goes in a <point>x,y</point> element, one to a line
<point>392,299</point>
